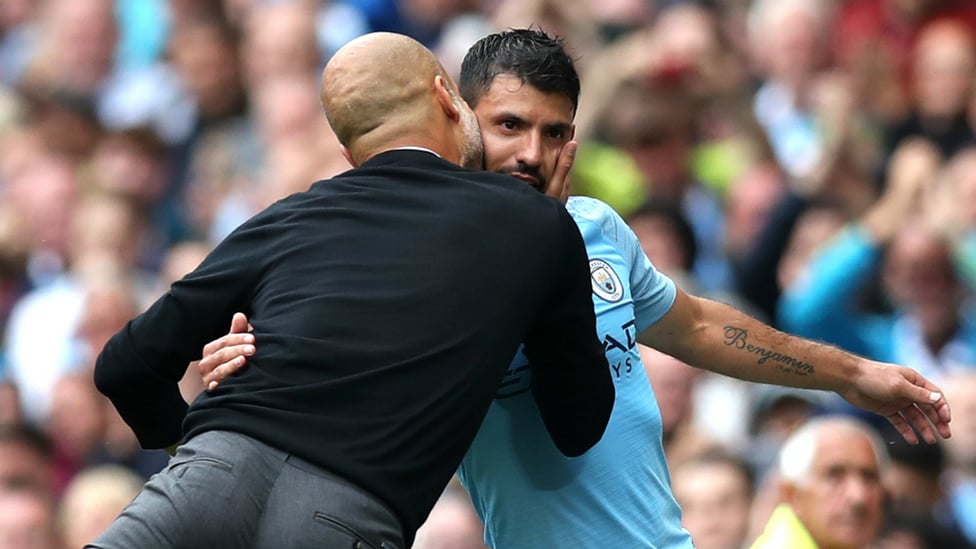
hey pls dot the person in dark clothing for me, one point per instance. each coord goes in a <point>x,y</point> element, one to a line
<point>389,304</point>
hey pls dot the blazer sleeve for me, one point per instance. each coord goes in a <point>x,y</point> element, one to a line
<point>571,380</point>
<point>140,366</point>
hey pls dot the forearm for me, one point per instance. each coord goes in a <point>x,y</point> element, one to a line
<point>719,338</point>
<point>821,303</point>
<point>148,402</point>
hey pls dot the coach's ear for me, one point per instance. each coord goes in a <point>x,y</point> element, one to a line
<point>446,98</point>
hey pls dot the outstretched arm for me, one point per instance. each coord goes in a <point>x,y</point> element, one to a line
<point>713,336</point>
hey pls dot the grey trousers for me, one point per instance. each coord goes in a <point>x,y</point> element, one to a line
<point>226,490</point>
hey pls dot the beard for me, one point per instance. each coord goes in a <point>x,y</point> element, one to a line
<point>472,149</point>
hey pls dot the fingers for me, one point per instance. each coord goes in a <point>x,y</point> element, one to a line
<point>928,415</point>
<point>930,401</point>
<point>903,428</point>
<point>226,341</point>
<point>558,186</point>
<point>223,357</point>
<point>221,372</point>
<point>940,415</point>
<point>239,324</point>
<point>916,419</point>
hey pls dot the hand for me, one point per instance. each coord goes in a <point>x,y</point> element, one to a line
<point>912,168</point>
<point>908,400</point>
<point>558,186</point>
<point>227,354</point>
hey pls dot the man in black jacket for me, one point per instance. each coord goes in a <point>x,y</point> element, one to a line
<point>389,301</point>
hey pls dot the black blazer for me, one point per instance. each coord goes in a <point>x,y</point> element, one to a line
<point>387,303</point>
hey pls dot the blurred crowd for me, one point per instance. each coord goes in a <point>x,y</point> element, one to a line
<point>810,161</point>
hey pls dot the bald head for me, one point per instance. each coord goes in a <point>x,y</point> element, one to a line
<point>385,90</point>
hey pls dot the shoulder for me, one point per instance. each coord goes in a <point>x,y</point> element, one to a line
<point>594,210</point>
<point>586,210</point>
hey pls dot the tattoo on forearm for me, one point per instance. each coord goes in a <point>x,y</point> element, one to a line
<point>738,338</point>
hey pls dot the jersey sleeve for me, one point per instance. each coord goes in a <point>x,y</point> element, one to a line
<point>653,292</point>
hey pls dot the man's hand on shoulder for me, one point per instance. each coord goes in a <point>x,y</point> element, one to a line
<point>226,354</point>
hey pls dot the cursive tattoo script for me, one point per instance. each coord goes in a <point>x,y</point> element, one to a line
<point>738,338</point>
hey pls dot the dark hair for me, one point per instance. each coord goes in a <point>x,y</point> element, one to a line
<point>531,55</point>
<point>672,214</point>
<point>25,435</point>
<point>718,456</point>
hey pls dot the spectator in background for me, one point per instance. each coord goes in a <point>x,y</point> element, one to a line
<point>92,501</point>
<point>655,128</point>
<point>776,414</point>
<point>749,203</point>
<point>205,54</point>
<point>932,326</point>
<point>279,38</point>
<point>46,337</point>
<point>831,492</point>
<point>75,47</point>
<point>960,478</point>
<point>943,72</point>
<point>27,520</point>
<point>75,426</point>
<point>915,483</point>
<point>10,413</point>
<point>673,382</point>
<point>16,21</point>
<point>873,42</point>
<point>26,460</point>
<point>813,229</point>
<point>952,211</point>
<point>132,167</point>
<point>714,490</point>
<point>668,241</point>
<point>788,40</point>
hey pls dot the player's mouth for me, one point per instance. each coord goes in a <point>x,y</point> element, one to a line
<point>530,179</point>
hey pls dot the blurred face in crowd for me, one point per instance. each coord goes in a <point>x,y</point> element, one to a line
<point>661,243</point>
<point>944,66</point>
<point>523,129</point>
<point>82,37</point>
<point>748,205</point>
<point>22,466</point>
<point>207,60</point>
<point>26,521</point>
<point>673,382</point>
<point>840,499</point>
<point>279,38</point>
<point>788,41</point>
<point>715,502</point>
<point>920,277</point>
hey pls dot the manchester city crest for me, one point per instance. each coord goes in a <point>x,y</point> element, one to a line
<point>605,281</point>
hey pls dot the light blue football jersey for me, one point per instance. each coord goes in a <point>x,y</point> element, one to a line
<point>618,494</point>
